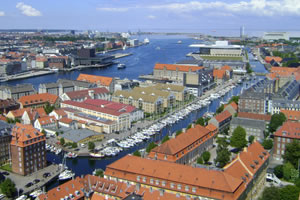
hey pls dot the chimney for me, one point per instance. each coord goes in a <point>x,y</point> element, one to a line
<point>245,149</point>
<point>184,130</point>
<point>193,125</point>
<point>91,94</point>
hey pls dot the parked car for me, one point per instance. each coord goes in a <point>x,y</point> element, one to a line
<point>29,185</point>
<point>35,181</point>
<point>47,174</point>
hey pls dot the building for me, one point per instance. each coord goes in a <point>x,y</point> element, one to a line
<point>7,105</point>
<point>222,74</point>
<point>101,81</point>
<point>220,48</point>
<point>28,152</point>
<point>271,36</point>
<point>282,104</point>
<point>252,127</point>
<point>5,137</point>
<point>173,72</point>
<point>58,114</point>
<point>86,53</point>
<point>291,115</point>
<point>41,62</point>
<point>16,92</point>
<point>82,95</point>
<point>149,99</point>
<point>46,122</point>
<point>262,117</point>
<point>10,67</point>
<point>231,107</point>
<point>134,42</point>
<point>39,100</point>
<point>30,115</point>
<point>240,179</point>
<point>222,120</point>
<point>110,116</point>
<point>286,134</point>
<point>186,147</point>
<point>253,102</point>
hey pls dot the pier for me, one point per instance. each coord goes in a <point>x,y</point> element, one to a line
<point>24,75</point>
<point>80,67</point>
<point>121,55</point>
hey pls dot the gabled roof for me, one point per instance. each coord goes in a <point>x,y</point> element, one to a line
<point>289,129</point>
<point>60,112</point>
<point>219,73</point>
<point>222,116</point>
<point>22,133</point>
<point>19,113</point>
<point>102,80</point>
<point>254,116</point>
<point>46,120</point>
<point>79,94</point>
<point>211,127</point>
<point>173,67</point>
<point>233,105</point>
<point>268,59</point>
<point>38,99</point>
<point>66,120</point>
<point>293,115</point>
<point>182,141</point>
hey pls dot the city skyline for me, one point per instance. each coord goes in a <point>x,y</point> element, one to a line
<point>211,17</point>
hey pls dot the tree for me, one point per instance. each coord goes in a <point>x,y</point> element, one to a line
<point>223,154</point>
<point>8,187</point>
<point>74,145</point>
<point>91,146</point>
<point>43,131</point>
<point>271,193</point>
<point>251,139</point>
<point>289,192</point>
<point>178,132</point>
<point>166,138</point>
<point>151,146</point>
<point>278,171</point>
<point>235,99</point>
<point>238,138</point>
<point>287,171</point>
<point>297,182</point>
<point>189,126</point>
<point>137,153</point>
<point>292,153</point>
<point>220,109</point>
<point>56,133</point>
<point>201,121</point>
<point>62,141</point>
<point>206,156</point>
<point>267,144</point>
<point>276,121</point>
<point>48,108</point>
<point>99,172</point>
<point>200,160</point>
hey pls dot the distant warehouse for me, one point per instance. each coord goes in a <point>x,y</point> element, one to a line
<point>276,36</point>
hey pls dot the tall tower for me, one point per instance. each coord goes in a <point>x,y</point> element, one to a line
<point>242,32</point>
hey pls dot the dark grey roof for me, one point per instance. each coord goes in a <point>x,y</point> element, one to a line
<point>5,128</point>
<point>245,122</point>
<point>19,88</point>
<point>283,103</point>
<point>190,62</point>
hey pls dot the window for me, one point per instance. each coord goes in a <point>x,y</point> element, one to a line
<point>179,187</point>
<point>138,178</point>
<point>186,188</point>
<point>163,183</point>
<point>193,189</point>
<point>288,140</point>
<point>157,182</point>
<point>283,139</point>
<point>278,145</point>
<point>151,181</point>
<point>172,185</point>
<point>144,179</point>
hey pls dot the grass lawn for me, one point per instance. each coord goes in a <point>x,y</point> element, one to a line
<point>222,58</point>
<point>6,167</point>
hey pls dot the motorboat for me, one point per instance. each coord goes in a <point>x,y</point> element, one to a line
<point>58,151</point>
<point>146,41</point>
<point>70,155</point>
<point>121,66</point>
<point>125,47</point>
<point>179,42</point>
<point>97,155</point>
<point>35,193</point>
<point>23,197</point>
<point>65,175</point>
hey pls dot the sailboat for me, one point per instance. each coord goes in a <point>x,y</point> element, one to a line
<point>124,47</point>
<point>65,174</point>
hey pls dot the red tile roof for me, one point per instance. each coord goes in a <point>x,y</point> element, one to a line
<point>23,133</point>
<point>19,113</point>
<point>80,94</point>
<point>268,59</point>
<point>66,120</point>
<point>289,129</point>
<point>254,116</point>
<point>102,80</point>
<point>211,127</point>
<point>38,99</point>
<point>219,73</point>
<point>292,115</point>
<point>172,67</point>
<point>233,105</point>
<point>46,120</point>
<point>223,116</point>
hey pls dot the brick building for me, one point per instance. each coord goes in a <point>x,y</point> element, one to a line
<point>5,137</point>
<point>28,152</point>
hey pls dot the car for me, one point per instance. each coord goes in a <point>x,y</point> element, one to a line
<point>47,174</point>
<point>82,145</point>
<point>29,185</point>
<point>235,150</point>
<point>35,181</point>
<point>5,173</point>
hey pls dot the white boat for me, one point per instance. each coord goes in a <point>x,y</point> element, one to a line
<point>65,175</point>
<point>146,41</point>
<point>124,47</point>
<point>121,66</point>
<point>54,69</point>
<point>36,193</point>
<point>179,42</point>
<point>70,155</point>
<point>23,197</point>
<point>97,155</point>
<point>58,151</point>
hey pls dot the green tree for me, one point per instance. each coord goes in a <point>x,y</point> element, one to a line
<point>287,171</point>
<point>271,193</point>
<point>56,133</point>
<point>238,138</point>
<point>223,154</point>
<point>189,126</point>
<point>206,156</point>
<point>251,139</point>
<point>48,108</point>
<point>276,121</point>
<point>289,192</point>
<point>166,138</point>
<point>220,109</point>
<point>91,146</point>
<point>137,153</point>
<point>151,146</point>
<point>43,131</point>
<point>297,182</point>
<point>62,141</point>
<point>200,160</point>
<point>278,171</point>
<point>178,132</point>
<point>8,187</point>
<point>292,153</point>
<point>235,99</point>
<point>267,144</point>
<point>99,172</point>
<point>201,121</point>
<point>74,145</point>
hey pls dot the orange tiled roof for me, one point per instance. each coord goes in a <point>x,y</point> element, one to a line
<point>103,80</point>
<point>66,120</point>
<point>233,105</point>
<point>60,112</point>
<point>38,99</point>
<point>173,67</point>
<point>182,141</point>
<point>293,115</point>
<point>226,67</point>
<point>268,59</point>
<point>219,73</point>
<point>223,115</point>
<point>254,116</point>
<point>289,129</point>
<point>283,69</point>
<point>19,113</point>
<point>211,127</point>
<point>46,120</point>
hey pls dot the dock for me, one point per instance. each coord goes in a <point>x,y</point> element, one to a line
<point>121,55</point>
<point>25,75</point>
<point>80,67</point>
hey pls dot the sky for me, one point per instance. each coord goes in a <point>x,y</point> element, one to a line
<point>204,16</point>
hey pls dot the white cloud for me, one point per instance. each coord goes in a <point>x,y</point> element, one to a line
<point>2,13</point>
<point>151,17</point>
<point>113,9</point>
<point>257,7</point>
<point>28,10</point>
